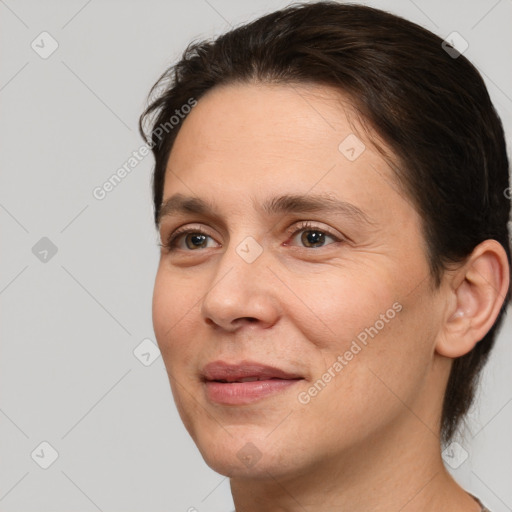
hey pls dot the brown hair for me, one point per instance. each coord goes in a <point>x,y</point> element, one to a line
<point>430,107</point>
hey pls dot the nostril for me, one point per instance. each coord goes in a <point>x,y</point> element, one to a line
<point>248,319</point>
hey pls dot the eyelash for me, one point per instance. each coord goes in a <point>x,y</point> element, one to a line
<point>172,240</point>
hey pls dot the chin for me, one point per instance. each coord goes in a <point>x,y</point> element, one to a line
<point>246,453</point>
<point>252,466</point>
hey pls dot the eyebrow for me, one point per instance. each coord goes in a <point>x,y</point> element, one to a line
<point>288,203</point>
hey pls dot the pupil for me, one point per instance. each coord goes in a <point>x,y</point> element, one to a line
<point>313,237</point>
<point>196,240</point>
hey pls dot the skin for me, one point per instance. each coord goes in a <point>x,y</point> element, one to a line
<point>369,440</point>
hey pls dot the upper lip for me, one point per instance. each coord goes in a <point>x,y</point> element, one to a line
<point>229,372</point>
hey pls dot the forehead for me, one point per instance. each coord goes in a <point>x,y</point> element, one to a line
<point>250,139</point>
<point>297,117</point>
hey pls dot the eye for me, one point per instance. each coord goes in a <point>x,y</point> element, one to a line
<point>312,236</point>
<point>189,239</point>
<point>306,234</point>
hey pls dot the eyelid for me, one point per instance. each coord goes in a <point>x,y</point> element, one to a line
<point>308,225</point>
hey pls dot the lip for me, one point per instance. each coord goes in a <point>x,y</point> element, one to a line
<point>223,386</point>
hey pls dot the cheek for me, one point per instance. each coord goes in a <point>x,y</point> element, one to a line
<point>338,306</point>
<point>174,305</point>
<point>390,358</point>
<point>371,385</point>
<point>381,332</point>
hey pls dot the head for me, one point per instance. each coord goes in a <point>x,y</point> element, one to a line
<point>343,182</point>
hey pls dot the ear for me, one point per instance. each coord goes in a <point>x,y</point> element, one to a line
<point>477,292</point>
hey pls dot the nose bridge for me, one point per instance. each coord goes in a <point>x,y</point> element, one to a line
<point>242,262</point>
<point>241,286</point>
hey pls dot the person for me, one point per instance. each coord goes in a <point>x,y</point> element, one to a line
<point>330,192</point>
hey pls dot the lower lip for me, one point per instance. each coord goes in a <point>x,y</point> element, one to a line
<point>239,393</point>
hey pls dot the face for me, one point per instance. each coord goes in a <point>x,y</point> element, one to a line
<point>290,298</point>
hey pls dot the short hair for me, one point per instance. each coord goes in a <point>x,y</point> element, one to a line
<point>424,99</point>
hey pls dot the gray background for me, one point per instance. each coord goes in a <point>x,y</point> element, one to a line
<point>71,321</point>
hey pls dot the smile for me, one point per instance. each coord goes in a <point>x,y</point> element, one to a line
<point>245,382</point>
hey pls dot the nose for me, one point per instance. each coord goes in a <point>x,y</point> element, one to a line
<point>241,293</point>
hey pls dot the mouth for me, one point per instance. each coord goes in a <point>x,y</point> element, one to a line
<point>245,382</point>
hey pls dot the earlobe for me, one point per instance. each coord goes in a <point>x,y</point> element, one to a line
<point>478,289</point>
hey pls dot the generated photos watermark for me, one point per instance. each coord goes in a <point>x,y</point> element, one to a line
<point>100,192</point>
<point>357,345</point>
